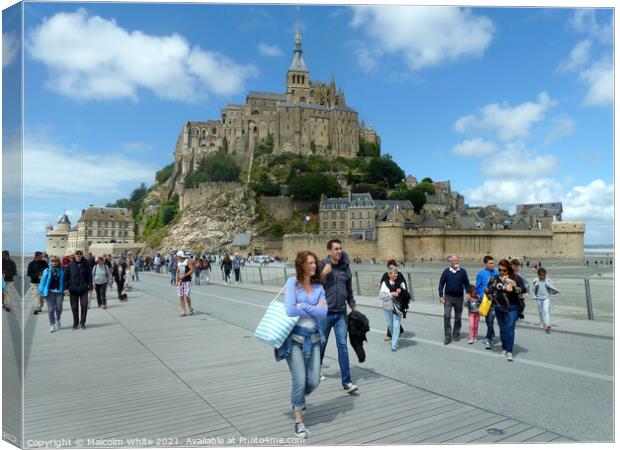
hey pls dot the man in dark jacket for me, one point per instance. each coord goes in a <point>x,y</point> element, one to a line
<point>336,276</point>
<point>78,281</point>
<point>35,271</point>
<point>9,272</point>
<point>452,285</point>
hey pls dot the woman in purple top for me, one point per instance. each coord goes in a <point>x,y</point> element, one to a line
<point>304,298</point>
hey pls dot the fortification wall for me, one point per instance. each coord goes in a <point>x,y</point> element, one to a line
<point>317,243</point>
<point>198,196</point>
<point>564,241</point>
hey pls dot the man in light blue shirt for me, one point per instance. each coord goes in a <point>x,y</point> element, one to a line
<point>482,280</point>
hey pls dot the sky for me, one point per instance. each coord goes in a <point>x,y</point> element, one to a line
<point>512,105</point>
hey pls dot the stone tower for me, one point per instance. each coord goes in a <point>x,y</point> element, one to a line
<point>298,75</point>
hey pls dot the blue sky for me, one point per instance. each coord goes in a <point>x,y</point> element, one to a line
<point>513,105</point>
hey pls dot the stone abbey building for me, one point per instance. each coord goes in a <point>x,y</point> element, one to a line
<point>309,117</point>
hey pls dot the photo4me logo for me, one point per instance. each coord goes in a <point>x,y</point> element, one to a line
<point>9,437</point>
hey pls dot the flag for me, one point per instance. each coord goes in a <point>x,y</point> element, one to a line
<point>307,218</point>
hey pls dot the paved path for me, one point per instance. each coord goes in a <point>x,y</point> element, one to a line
<point>140,372</point>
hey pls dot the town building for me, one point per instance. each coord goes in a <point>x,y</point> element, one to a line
<point>98,230</point>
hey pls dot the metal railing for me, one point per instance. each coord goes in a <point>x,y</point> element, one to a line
<point>580,298</point>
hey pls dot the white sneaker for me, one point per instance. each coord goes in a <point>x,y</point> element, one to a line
<point>57,324</point>
<point>52,329</point>
<point>509,356</point>
<point>323,376</point>
<point>350,388</point>
<point>503,353</point>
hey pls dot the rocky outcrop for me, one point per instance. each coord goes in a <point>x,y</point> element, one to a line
<point>214,223</point>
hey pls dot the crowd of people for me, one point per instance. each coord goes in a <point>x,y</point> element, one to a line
<point>77,276</point>
<point>321,291</point>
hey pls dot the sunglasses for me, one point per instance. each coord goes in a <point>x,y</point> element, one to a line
<point>79,254</point>
<point>503,270</point>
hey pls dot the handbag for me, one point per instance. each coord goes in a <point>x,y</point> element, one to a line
<point>485,306</point>
<point>276,325</point>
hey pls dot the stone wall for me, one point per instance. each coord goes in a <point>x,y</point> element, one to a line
<point>201,195</point>
<point>283,208</point>
<point>564,241</point>
<point>293,243</point>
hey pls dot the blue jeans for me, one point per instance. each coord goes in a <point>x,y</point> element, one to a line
<point>136,270</point>
<point>197,277</point>
<point>173,277</point>
<point>54,306</point>
<point>490,318</point>
<point>305,373</point>
<point>337,320</point>
<point>393,323</point>
<point>507,321</point>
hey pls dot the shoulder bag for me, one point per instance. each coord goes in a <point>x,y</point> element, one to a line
<point>276,325</point>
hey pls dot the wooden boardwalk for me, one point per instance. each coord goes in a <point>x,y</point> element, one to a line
<point>140,372</point>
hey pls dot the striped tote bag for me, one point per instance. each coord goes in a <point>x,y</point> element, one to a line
<point>276,325</point>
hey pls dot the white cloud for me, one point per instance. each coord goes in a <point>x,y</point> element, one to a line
<point>269,50</point>
<point>474,147</point>
<point>509,122</point>
<point>559,127</point>
<point>10,49</point>
<point>514,163</point>
<point>507,193</point>
<point>592,202</point>
<point>600,81</point>
<point>52,170</point>
<point>90,57</point>
<point>584,21</point>
<point>579,56</point>
<point>425,36</point>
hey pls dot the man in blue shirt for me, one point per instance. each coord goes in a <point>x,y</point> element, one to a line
<point>482,281</point>
<point>452,284</point>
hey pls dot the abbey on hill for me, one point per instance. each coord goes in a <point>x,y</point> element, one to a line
<point>311,117</point>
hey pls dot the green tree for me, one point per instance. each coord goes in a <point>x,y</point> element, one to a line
<point>217,167</point>
<point>384,170</point>
<point>161,176</point>
<point>310,186</point>
<point>376,191</point>
<point>265,147</point>
<point>427,180</point>
<point>264,186</point>
<point>427,187</point>
<point>368,149</point>
<point>416,196</point>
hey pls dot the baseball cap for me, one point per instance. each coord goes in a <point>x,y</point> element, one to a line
<point>181,253</point>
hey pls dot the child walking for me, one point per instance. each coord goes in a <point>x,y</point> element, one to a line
<point>543,288</point>
<point>473,315</point>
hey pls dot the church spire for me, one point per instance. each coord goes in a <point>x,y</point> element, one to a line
<point>298,63</point>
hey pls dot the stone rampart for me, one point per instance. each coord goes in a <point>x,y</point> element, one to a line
<point>199,196</point>
<point>563,241</point>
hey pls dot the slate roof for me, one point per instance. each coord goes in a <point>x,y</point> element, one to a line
<point>117,214</point>
<point>267,95</point>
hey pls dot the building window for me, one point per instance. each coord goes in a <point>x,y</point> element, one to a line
<point>325,225</point>
<point>342,225</point>
<point>333,224</point>
<point>369,214</point>
<point>333,215</point>
<point>360,223</point>
<point>352,224</point>
<point>368,224</point>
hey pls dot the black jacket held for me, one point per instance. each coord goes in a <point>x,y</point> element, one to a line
<point>358,327</point>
